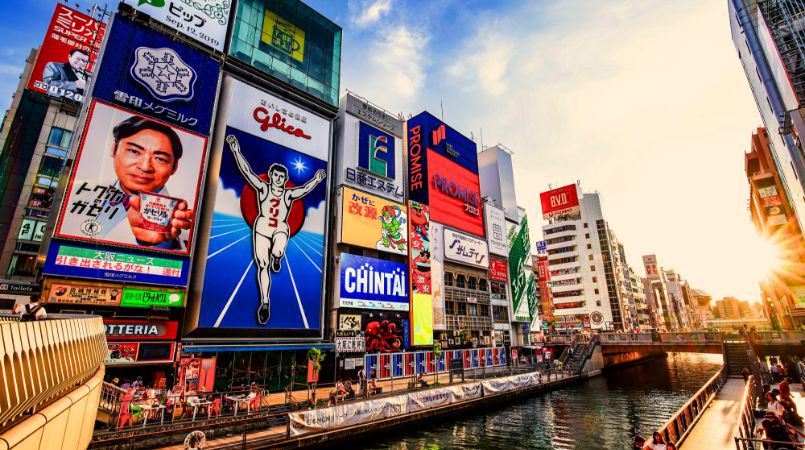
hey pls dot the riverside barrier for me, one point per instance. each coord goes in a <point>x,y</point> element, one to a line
<point>335,417</point>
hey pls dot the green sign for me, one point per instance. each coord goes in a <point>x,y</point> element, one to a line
<point>144,298</point>
<point>519,245</point>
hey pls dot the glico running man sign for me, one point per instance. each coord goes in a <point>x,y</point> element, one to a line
<point>264,264</point>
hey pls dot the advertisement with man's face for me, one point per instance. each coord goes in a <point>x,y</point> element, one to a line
<point>157,76</point>
<point>65,59</point>
<point>135,183</point>
<point>265,259</point>
<point>372,222</point>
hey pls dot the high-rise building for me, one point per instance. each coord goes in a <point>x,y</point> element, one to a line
<point>590,286</point>
<point>771,47</point>
<point>783,293</point>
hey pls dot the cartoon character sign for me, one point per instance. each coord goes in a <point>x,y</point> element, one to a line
<point>384,331</point>
<point>391,238</point>
<point>420,248</point>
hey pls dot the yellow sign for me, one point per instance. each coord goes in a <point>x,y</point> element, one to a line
<point>283,36</point>
<point>373,222</point>
<point>422,318</point>
<point>88,293</point>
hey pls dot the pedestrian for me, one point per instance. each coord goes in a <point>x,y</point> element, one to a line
<point>785,388</point>
<point>775,406</point>
<point>30,311</point>
<point>657,442</point>
<point>774,431</point>
<point>745,372</point>
<point>362,380</point>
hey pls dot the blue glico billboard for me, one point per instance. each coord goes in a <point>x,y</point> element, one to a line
<point>373,283</point>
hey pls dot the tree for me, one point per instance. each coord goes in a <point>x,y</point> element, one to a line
<point>437,353</point>
<point>316,357</point>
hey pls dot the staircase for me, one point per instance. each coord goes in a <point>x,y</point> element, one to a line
<point>736,357</point>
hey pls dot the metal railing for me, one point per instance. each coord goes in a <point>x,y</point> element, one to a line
<point>746,421</point>
<point>41,361</point>
<point>679,425</point>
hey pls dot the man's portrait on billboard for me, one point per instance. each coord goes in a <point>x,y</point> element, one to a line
<point>70,75</point>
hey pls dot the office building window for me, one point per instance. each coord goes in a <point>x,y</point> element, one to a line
<point>59,137</point>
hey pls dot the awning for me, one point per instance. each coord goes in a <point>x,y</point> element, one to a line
<point>252,348</point>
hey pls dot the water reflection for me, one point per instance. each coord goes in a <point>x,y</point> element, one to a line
<point>603,412</point>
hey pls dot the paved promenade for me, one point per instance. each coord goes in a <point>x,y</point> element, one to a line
<point>719,423</point>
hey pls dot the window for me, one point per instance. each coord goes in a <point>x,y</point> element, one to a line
<point>590,257</point>
<point>60,137</point>
<point>472,309</point>
<point>585,225</point>
<point>586,235</point>
<point>461,282</point>
<point>596,290</point>
<point>22,265</point>
<point>482,285</point>
<point>598,303</point>
<point>595,279</point>
<point>592,268</point>
<point>472,283</point>
<point>448,279</point>
<point>589,246</point>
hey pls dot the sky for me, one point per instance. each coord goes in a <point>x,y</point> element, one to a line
<point>644,102</point>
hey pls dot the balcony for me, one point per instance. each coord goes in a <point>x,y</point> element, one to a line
<point>468,323</point>
<point>51,377</point>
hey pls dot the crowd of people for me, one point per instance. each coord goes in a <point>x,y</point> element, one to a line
<point>777,411</point>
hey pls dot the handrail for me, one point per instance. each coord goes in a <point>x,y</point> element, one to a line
<point>746,422</point>
<point>41,361</point>
<point>678,427</point>
<point>756,444</point>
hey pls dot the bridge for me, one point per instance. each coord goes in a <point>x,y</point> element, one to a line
<point>52,372</point>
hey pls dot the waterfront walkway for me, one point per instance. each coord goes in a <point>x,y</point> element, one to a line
<point>718,425</point>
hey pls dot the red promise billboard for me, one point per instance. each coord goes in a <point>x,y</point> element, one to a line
<point>564,200</point>
<point>455,195</point>
<point>67,54</point>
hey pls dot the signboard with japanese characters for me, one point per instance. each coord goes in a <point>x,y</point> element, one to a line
<point>145,298</point>
<point>498,270</point>
<point>135,183</point>
<point>349,322</point>
<point>369,158</point>
<point>350,344</point>
<point>542,248</point>
<point>157,76</point>
<point>419,262</point>
<point>72,293</point>
<point>466,249</point>
<point>496,230</point>
<point>86,262</point>
<point>203,20</point>
<point>437,275</point>
<point>373,222</point>
<point>65,59</point>
<point>373,115</point>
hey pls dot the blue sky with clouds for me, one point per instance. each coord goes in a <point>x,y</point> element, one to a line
<point>643,101</point>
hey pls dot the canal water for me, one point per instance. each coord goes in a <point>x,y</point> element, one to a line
<point>600,413</point>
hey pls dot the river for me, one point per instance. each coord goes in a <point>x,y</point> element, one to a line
<point>599,413</point>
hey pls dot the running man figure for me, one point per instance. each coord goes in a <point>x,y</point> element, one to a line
<point>270,232</point>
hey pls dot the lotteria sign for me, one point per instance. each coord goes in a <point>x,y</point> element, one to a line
<point>564,200</point>
<point>372,283</point>
<point>140,330</point>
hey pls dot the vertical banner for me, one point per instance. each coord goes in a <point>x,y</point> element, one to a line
<point>420,264</point>
<point>437,275</point>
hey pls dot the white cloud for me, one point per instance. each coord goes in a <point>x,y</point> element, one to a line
<point>315,218</point>
<point>367,13</point>
<point>391,71</point>
<point>227,201</point>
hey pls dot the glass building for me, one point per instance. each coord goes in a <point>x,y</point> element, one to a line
<point>291,42</point>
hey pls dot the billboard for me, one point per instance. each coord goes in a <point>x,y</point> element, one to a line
<point>560,201</point>
<point>77,293</point>
<point>385,331</point>
<point>369,159</point>
<point>454,195</point>
<point>650,264</point>
<point>65,59</point>
<point>135,183</point>
<point>419,233</point>
<point>68,260</point>
<point>373,115</point>
<point>519,252</point>
<point>157,76</point>
<point>498,270</point>
<point>265,256</point>
<point>373,283</point>
<point>135,297</point>
<point>206,21</point>
<point>444,140</point>
<point>140,330</point>
<point>437,274</point>
<point>496,230</point>
<point>373,222</point>
<point>463,248</point>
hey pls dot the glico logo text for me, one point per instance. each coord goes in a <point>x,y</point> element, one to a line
<point>472,200</point>
<point>266,120</point>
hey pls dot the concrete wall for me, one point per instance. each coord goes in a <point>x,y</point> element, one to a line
<point>65,424</point>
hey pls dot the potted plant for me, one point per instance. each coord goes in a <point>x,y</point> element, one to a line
<point>437,354</point>
<point>315,358</point>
